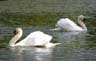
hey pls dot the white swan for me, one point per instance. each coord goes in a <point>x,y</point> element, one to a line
<point>68,25</point>
<point>36,38</point>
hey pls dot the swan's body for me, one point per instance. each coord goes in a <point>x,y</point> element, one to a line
<point>36,38</point>
<point>68,25</point>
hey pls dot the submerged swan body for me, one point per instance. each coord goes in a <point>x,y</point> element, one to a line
<point>36,38</point>
<point>69,25</point>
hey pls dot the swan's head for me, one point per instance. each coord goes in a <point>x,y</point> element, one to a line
<point>18,34</point>
<point>81,17</point>
<point>17,30</point>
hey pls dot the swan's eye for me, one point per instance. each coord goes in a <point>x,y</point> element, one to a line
<point>84,19</point>
<point>15,32</point>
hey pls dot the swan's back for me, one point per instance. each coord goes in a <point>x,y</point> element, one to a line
<point>67,24</point>
<point>36,38</point>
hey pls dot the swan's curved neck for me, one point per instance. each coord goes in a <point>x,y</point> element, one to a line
<point>13,41</point>
<point>82,24</point>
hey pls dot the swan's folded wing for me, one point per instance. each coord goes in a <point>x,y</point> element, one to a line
<point>66,23</point>
<point>36,38</point>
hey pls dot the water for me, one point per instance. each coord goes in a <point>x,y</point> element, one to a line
<point>42,15</point>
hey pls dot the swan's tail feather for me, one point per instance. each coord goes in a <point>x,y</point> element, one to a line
<point>51,44</point>
<point>55,29</point>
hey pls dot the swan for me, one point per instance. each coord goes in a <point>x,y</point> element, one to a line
<point>69,25</point>
<point>36,38</point>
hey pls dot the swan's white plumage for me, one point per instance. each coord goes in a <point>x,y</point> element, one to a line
<point>69,25</point>
<point>66,23</point>
<point>36,38</point>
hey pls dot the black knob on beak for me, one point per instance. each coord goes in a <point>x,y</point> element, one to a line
<point>15,32</point>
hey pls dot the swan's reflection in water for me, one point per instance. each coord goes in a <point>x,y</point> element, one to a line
<point>32,54</point>
<point>69,36</point>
